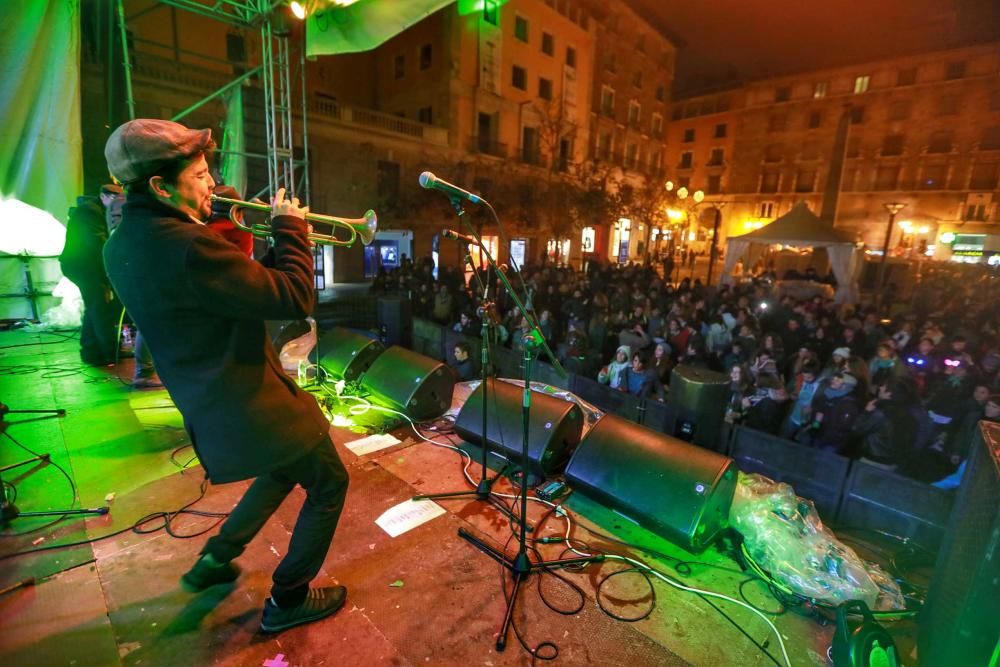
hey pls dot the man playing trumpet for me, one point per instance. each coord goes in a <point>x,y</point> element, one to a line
<point>201,303</point>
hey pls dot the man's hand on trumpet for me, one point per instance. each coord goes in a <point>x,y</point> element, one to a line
<point>282,206</point>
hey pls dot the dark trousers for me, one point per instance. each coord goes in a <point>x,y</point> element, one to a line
<point>324,479</point>
<point>99,332</point>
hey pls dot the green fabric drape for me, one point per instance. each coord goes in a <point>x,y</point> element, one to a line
<point>233,167</point>
<point>41,158</point>
<point>363,25</point>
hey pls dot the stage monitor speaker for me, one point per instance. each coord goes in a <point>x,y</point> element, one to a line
<point>553,430</point>
<point>960,623</point>
<point>345,354</point>
<point>395,320</point>
<point>700,396</point>
<point>671,488</point>
<point>416,385</point>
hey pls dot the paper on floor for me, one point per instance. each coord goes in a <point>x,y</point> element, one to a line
<point>372,443</point>
<point>408,515</point>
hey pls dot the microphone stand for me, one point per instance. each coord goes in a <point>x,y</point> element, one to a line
<point>9,511</point>
<point>520,566</point>
<point>484,489</point>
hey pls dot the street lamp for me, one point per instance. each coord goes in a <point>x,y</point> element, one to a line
<point>713,251</point>
<point>893,208</point>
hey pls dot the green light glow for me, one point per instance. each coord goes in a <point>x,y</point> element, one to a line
<point>26,230</point>
<point>948,237</point>
<point>466,7</point>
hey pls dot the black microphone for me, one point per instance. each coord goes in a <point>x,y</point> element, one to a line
<point>431,182</point>
<point>458,236</point>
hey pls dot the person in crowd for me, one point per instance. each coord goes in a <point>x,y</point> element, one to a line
<point>443,304</point>
<point>662,364</point>
<point>740,386</point>
<point>991,412</point>
<point>765,408</point>
<point>202,305</point>
<point>87,230</point>
<point>641,381</point>
<point>874,431</point>
<point>806,383</point>
<point>614,372</point>
<point>462,364</point>
<point>838,363</point>
<point>885,365</point>
<point>834,411</point>
<point>466,325</point>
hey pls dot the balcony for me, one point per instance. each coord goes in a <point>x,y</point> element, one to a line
<point>487,146</point>
<point>326,109</point>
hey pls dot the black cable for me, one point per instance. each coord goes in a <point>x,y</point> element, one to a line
<point>626,619</point>
<point>770,589</point>
<point>72,487</point>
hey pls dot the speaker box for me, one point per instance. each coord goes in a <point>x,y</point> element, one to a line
<point>700,396</point>
<point>553,430</point>
<point>671,488</point>
<point>416,385</point>
<point>395,320</point>
<point>345,354</point>
<point>959,624</point>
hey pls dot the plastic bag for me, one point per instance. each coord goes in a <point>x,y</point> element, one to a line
<point>784,535</point>
<point>296,351</point>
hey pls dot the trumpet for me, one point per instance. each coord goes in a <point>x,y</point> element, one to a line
<point>362,229</point>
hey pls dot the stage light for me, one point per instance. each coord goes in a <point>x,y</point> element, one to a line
<point>298,10</point>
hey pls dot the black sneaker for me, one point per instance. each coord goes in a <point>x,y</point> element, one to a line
<point>319,603</point>
<point>202,575</point>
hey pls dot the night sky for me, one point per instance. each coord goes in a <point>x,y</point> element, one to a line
<point>726,40</point>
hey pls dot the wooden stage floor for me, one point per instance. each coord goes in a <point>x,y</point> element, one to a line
<point>423,598</point>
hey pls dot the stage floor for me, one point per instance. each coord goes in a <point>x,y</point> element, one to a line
<point>423,598</point>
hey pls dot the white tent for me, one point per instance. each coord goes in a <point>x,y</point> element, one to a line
<point>802,228</point>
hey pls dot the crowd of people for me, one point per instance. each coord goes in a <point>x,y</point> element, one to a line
<point>901,385</point>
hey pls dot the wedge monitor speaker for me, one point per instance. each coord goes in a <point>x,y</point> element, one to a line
<point>411,383</point>
<point>700,396</point>
<point>674,489</point>
<point>345,354</point>
<point>553,431</point>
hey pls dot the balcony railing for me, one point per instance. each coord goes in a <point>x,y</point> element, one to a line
<point>487,146</point>
<point>376,120</point>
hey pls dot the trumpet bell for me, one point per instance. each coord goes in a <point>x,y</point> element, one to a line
<point>366,230</point>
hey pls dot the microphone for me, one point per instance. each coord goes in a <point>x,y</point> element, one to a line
<point>458,236</point>
<point>431,182</point>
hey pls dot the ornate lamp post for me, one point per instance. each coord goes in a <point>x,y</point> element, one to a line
<point>893,208</point>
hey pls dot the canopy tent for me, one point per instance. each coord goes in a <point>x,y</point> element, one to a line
<point>802,228</point>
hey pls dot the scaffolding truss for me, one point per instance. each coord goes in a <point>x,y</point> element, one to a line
<point>276,78</point>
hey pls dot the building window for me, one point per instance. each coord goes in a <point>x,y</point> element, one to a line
<point>857,115</point>
<point>933,177</point>
<point>521,28</point>
<point>991,139</point>
<point>387,182</point>
<point>805,180</point>
<point>631,156</point>
<point>529,145</point>
<point>720,131</point>
<point>939,142</point>
<point>984,176</point>
<point>714,184</point>
<point>656,161</point>
<point>975,212</point>
<point>815,119</point>
<point>717,157</point>
<point>425,115</point>
<point>661,93</point>
<point>548,44</point>
<point>820,90</point>
<point>634,112</point>
<point>544,88</point>
<point>861,84</point>
<point>608,101</point>
<point>399,67</point>
<point>956,70</point>
<point>687,160</point>
<point>519,78</point>
<point>570,56</point>
<point>783,94</point>
<point>769,182</point>
<point>948,105</point>
<point>610,62</point>
<point>491,12</point>
<point>777,122</point>
<point>683,182</point>
<point>900,110</point>
<point>765,209</point>
<point>887,177</point>
<point>426,53</point>
<point>637,78</point>
<point>657,125</point>
<point>604,147</point>
<point>906,77</point>
<point>892,145</point>
<point>689,135</point>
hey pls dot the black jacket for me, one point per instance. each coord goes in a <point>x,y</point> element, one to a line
<point>201,304</point>
<point>86,233</point>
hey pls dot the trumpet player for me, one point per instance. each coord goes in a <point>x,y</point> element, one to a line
<point>201,303</point>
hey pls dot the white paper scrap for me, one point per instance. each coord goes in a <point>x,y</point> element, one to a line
<point>408,515</point>
<point>373,443</point>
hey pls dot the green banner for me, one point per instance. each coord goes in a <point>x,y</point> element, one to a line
<point>363,25</point>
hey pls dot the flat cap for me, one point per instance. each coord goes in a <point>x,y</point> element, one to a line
<point>138,148</point>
